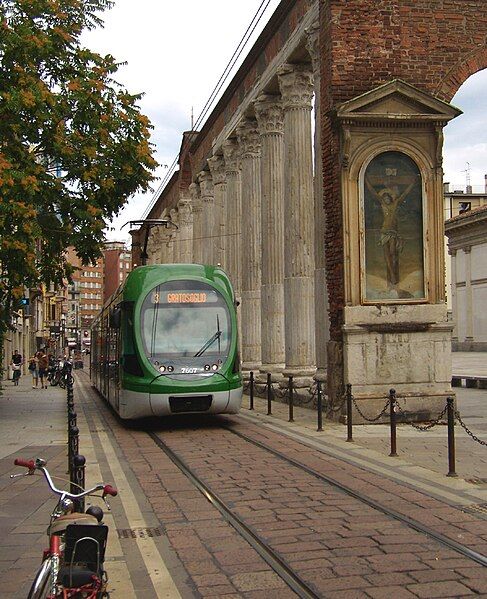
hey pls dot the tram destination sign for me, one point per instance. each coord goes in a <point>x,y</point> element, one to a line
<point>186,296</point>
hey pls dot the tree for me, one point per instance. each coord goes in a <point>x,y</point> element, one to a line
<point>74,145</point>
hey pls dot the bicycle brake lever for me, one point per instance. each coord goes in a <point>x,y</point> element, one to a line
<point>21,474</point>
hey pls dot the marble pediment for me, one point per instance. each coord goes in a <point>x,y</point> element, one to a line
<point>396,101</point>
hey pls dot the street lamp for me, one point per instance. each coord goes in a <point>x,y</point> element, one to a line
<point>148,224</point>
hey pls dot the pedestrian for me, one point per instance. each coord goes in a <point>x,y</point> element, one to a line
<point>16,364</point>
<point>43,364</point>
<point>34,371</point>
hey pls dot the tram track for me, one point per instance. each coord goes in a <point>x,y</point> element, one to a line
<point>293,579</point>
<point>415,525</point>
<point>183,448</point>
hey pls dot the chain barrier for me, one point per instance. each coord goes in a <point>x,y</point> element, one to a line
<point>338,408</point>
<point>383,411</point>
<point>426,427</point>
<point>280,392</point>
<point>467,430</point>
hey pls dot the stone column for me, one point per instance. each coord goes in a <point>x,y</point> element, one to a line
<point>322,324</point>
<point>454,297</point>
<point>269,114</point>
<point>296,84</point>
<point>194,190</point>
<point>248,137</point>
<point>217,169</point>
<point>468,295</point>
<point>185,230</point>
<point>174,236</point>
<point>154,246</point>
<point>206,232</point>
<point>233,214</point>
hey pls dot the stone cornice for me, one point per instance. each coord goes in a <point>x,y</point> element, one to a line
<point>296,85</point>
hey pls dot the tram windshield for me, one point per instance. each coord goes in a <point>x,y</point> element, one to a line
<point>185,319</point>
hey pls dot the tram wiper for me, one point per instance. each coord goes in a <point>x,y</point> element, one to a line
<point>211,340</point>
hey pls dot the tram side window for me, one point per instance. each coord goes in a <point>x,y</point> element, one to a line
<point>129,360</point>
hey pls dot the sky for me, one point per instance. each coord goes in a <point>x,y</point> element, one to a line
<point>176,52</point>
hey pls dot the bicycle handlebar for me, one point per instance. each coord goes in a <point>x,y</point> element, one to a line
<point>30,464</point>
<point>109,490</point>
<point>33,465</point>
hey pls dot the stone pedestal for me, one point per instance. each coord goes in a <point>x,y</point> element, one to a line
<point>296,84</point>
<point>270,120</point>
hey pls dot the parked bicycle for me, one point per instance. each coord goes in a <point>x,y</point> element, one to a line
<point>59,373</point>
<point>73,564</point>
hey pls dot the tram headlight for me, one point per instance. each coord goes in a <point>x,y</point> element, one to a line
<point>170,368</point>
<point>162,368</point>
<point>207,367</point>
<point>214,367</point>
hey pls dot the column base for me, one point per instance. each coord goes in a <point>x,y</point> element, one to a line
<point>274,369</point>
<point>248,368</point>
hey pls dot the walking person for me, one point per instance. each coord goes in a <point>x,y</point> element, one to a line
<point>34,371</point>
<point>43,364</point>
<point>16,364</point>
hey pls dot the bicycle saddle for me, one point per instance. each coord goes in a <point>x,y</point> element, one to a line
<point>59,525</point>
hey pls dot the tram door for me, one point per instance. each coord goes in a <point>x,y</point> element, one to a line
<point>113,371</point>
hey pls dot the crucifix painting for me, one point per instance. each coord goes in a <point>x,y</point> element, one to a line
<point>394,233</point>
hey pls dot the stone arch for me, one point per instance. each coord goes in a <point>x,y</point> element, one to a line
<point>468,65</point>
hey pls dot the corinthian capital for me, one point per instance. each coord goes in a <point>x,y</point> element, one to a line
<point>206,185</point>
<point>194,190</point>
<point>185,211</point>
<point>268,110</point>
<point>296,85</point>
<point>217,169</point>
<point>231,154</point>
<point>248,137</point>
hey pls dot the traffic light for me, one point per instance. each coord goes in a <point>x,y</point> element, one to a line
<point>24,301</point>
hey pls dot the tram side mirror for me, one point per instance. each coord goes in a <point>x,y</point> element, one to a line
<point>236,303</point>
<point>115,317</point>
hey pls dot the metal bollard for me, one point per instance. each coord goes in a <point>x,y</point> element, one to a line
<point>392,412</point>
<point>349,397</point>
<point>72,418</point>
<point>450,402</point>
<point>269,394</point>
<point>291,399</point>
<point>251,383</point>
<point>320,406</point>
<point>73,448</point>
<point>79,462</point>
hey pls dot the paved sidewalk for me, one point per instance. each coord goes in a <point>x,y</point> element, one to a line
<point>33,423</point>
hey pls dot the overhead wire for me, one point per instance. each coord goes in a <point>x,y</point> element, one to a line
<point>218,86</point>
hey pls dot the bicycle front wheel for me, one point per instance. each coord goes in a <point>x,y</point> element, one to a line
<point>41,587</point>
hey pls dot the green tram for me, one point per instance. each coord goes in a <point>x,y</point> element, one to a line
<point>166,343</point>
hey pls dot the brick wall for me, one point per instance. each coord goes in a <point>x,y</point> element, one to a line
<point>434,45</point>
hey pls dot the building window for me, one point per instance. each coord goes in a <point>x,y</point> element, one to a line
<point>393,229</point>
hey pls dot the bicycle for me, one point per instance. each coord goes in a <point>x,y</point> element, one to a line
<point>72,565</point>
